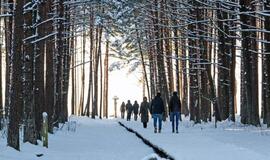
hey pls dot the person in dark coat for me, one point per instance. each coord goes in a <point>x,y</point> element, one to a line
<point>157,110</point>
<point>129,109</point>
<point>175,110</point>
<point>144,111</point>
<point>123,110</point>
<point>135,110</point>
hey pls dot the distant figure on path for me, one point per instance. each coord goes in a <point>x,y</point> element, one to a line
<point>144,112</point>
<point>135,110</point>
<point>174,110</point>
<point>129,109</point>
<point>157,109</point>
<point>123,110</point>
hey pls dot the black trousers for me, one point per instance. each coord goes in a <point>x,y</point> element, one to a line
<point>144,124</point>
<point>135,117</point>
<point>128,116</point>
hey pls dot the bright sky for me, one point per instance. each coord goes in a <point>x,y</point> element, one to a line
<point>125,86</point>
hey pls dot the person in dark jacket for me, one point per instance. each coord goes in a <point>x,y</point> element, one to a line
<point>157,110</point>
<point>129,109</point>
<point>175,110</point>
<point>144,111</point>
<point>123,110</point>
<point>135,110</point>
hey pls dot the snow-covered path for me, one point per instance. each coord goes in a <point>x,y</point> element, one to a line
<point>204,142</point>
<point>93,140</point>
<point>107,140</point>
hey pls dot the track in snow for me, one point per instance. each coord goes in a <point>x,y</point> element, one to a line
<point>158,151</point>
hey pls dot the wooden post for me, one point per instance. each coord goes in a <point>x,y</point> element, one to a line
<point>115,98</point>
<point>45,129</point>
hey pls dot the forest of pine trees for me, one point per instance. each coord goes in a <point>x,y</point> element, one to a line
<point>51,50</point>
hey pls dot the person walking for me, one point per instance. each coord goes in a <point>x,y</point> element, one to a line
<point>135,110</point>
<point>175,110</point>
<point>123,110</point>
<point>144,111</point>
<point>157,110</point>
<point>129,110</point>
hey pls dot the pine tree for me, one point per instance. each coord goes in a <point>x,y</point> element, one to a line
<point>266,69</point>
<point>29,57</point>
<point>249,92</point>
<point>8,43</point>
<point>16,102</point>
<point>1,95</point>
<point>50,67</point>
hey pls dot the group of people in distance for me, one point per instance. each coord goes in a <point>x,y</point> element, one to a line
<point>156,109</point>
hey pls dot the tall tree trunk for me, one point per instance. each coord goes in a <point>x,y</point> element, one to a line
<point>193,102</point>
<point>143,61</point>
<point>50,67</point>
<point>1,67</point>
<point>266,68</point>
<point>168,49</point>
<point>101,76</point>
<point>176,52</point>
<point>232,66</point>
<point>67,60</point>
<point>101,84</point>
<point>75,77</point>
<point>59,53</point>
<point>204,54</point>
<point>151,65</point>
<point>39,69</point>
<point>83,68</point>
<point>185,95</point>
<point>29,83</point>
<point>223,71</point>
<point>91,53</point>
<point>96,66</point>
<point>16,79</point>
<point>250,65</point>
<point>72,52</point>
<point>106,79</point>
<point>8,43</point>
<point>199,48</point>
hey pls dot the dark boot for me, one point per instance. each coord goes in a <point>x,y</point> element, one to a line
<point>155,131</point>
<point>144,125</point>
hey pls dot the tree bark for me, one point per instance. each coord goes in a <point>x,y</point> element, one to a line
<point>223,60</point>
<point>91,53</point>
<point>16,79</point>
<point>106,79</point>
<point>1,95</point>
<point>8,42</point>
<point>250,113</point>
<point>83,67</point>
<point>266,69</point>
<point>143,62</point>
<point>29,74</point>
<point>50,67</point>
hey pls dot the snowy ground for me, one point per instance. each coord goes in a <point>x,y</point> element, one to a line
<point>106,140</point>
<point>92,140</point>
<point>204,142</point>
